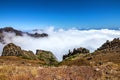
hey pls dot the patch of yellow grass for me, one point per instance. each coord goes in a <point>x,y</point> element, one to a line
<point>12,72</point>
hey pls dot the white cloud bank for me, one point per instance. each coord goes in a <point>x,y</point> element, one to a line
<point>60,41</point>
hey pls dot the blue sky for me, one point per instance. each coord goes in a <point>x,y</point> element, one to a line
<point>82,14</point>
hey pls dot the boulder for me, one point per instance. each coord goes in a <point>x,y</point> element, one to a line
<point>11,50</point>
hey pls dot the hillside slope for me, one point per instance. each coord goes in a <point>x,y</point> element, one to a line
<point>79,64</point>
<point>108,52</point>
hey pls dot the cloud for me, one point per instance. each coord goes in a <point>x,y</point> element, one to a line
<point>60,41</point>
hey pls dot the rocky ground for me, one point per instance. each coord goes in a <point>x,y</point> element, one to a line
<point>107,71</point>
<point>79,64</point>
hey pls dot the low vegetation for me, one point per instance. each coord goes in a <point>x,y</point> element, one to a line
<point>103,64</point>
<point>13,72</point>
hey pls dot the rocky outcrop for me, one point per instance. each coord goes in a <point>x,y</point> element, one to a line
<point>108,52</point>
<point>11,50</point>
<point>46,56</point>
<point>76,51</point>
<point>110,46</point>
<point>28,55</point>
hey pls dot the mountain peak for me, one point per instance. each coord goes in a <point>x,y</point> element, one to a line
<point>110,46</point>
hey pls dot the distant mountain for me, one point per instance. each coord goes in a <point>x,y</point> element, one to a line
<point>12,30</point>
<point>19,33</point>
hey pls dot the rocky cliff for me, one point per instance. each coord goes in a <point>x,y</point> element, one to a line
<point>103,64</point>
<point>76,51</point>
<point>13,50</point>
<point>46,56</point>
<point>110,46</point>
<point>108,52</point>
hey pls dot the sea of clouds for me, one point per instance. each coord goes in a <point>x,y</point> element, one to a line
<point>60,41</point>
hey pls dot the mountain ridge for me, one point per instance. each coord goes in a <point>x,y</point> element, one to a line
<point>19,33</point>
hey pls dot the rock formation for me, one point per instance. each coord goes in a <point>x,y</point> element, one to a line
<point>28,55</point>
<point>13,50</point>
<point>110,46</point>
<point>76,51</point>
<point>108,52</point>
<point>46,56</point>
<point>103,64</point>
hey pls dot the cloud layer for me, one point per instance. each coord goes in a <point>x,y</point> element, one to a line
<point>60,41</point>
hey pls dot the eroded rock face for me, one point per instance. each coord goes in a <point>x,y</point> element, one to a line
<point>46,56</point>
<point>11,50</point>
<point>76,51</point>
<point>80,50</point>
<point>110,46</point>
<point>28,55</point>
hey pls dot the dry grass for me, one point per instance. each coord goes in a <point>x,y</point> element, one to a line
<point>14,68</point>
<point>109,71</point>
<point>92,59</point>
<point>8,60</point>
<point>12,72</point>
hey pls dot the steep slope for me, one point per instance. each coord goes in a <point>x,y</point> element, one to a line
<point>103,64</point>
<point>108,52</point>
